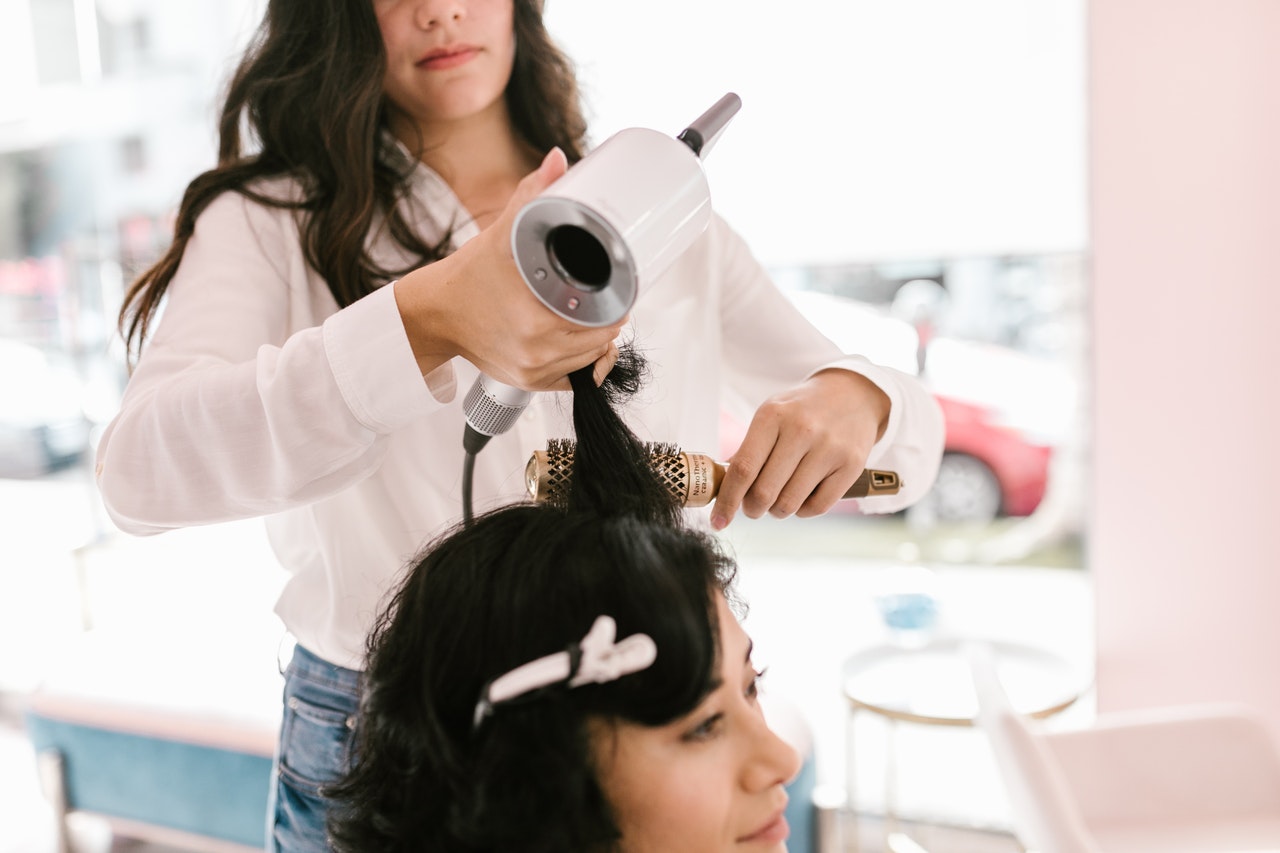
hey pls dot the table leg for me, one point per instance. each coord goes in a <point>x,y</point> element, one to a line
<point>851,778</point>
<point>890,777</point>
<point>899,843</point>
<point>830,805</point>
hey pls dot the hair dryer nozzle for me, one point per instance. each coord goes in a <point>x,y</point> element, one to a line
<point>492,408</point>
<point>706,128</point>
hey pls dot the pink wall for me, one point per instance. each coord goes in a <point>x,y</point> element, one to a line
<point>1185,215</point>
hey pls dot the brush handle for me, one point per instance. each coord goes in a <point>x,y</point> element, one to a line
<point>692,478</point>
<point>706,475</point>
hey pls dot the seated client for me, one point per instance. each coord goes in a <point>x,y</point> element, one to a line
<point>556,680</point>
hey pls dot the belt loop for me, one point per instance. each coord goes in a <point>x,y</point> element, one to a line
<point>284,652</point>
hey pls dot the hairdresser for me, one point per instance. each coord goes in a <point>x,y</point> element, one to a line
<point>345,269</point>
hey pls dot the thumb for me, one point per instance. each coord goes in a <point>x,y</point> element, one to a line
<point>552,168</point>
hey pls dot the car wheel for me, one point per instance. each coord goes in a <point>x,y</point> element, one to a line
<point>966,491</point>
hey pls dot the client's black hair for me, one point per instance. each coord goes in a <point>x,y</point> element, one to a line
<point>516,584</point>
<point>611,471</point>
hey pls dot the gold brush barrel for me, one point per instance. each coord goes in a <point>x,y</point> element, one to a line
<point>692,478</point>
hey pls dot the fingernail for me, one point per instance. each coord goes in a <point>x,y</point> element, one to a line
<point>719,522</point>
<point>546,161</point>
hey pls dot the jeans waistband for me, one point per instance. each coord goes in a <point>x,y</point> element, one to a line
<point>310,667</point>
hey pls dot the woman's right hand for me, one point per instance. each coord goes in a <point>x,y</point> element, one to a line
<point>475,304</point>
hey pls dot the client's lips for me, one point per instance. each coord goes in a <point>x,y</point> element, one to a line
<point>774,832</point>
<point>450,56</point>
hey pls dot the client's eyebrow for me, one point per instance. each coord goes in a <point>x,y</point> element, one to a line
<point>717,682</point>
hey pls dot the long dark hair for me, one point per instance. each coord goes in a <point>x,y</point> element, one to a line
<point>308,91</point>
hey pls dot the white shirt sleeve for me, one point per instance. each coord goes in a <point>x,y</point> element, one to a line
<point>243,404</point>
<point>769,344</point>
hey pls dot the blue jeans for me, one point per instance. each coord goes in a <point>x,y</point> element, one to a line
<point>320,703</point>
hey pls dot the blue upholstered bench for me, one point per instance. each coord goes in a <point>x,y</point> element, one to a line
<point>162,745</point>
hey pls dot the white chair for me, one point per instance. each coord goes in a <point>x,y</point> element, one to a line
<point>1197,779</point>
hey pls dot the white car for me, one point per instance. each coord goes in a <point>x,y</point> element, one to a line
<point>43,425</point>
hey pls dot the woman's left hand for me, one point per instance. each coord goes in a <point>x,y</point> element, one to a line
<point>804,448</point>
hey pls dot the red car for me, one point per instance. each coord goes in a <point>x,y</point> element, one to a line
<point>987,469</point>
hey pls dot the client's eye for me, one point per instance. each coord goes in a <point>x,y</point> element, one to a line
<point>753,687</point>
<point>705,730</point>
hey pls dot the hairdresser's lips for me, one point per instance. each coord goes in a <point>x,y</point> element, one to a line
<point>773,832</point>
<point>448,57</point>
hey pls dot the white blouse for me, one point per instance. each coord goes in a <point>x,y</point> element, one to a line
<point>257,396</point>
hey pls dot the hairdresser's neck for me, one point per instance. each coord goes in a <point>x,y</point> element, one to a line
<point>479,156</point>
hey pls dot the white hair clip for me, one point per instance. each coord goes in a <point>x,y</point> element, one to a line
<point>596,660</point>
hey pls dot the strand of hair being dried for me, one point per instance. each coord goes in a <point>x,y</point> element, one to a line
<point>612,474</point>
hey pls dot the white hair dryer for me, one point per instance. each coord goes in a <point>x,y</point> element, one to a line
<point>590,241</point>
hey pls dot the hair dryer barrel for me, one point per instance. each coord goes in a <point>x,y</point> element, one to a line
<point>617,219</point>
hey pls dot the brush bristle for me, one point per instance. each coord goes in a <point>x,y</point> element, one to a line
<point>671,468</point>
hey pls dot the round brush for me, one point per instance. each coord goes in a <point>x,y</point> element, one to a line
<point>692,478</point>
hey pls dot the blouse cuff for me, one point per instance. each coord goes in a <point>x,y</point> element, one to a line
<point>373,364</point>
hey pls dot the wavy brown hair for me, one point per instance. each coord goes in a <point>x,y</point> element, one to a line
<point>309,92</point>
